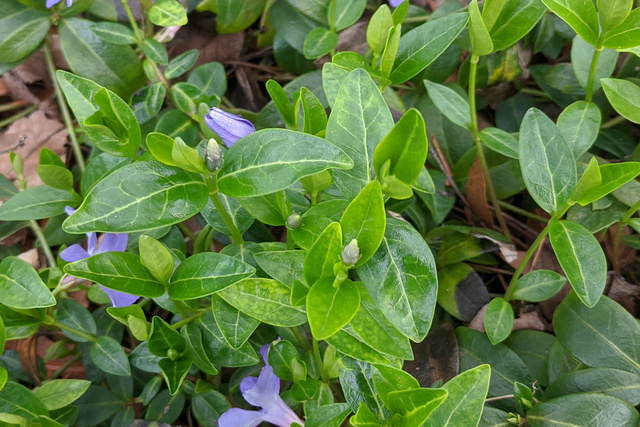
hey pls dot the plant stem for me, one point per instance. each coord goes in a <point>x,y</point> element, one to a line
<point>302,340</point>
<point>64,367</point>
<point>534,92</point>
<point>17,116</point>
<point>185,231</point>
<point>616,238</point>
<point>89,337</point>
<point>592,74</point>
<point>236,235</point>
<point>186,320</point>
<point>475,133</point>
<point>45,246</point>
<point>316,353</point>
<point>522,212</point>
<point>66,116</point>
<point>613,122</point>
<point>132,21</point>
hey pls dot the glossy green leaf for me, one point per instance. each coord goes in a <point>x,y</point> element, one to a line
<point>36,203</point>
<point>155,51</point>
<point>71,313</point>
<point>319,42</point>
<point>533,347</point>
<point>286,361</point>
<point>168,13</point>
<point>498,320</point>
<point>624,97</point>
<point>626,35</point>
<point>584,409</point>
<point>115,67</point>
<point>266,300</point>
<point>175,371</point>
<point>208,406</point>
<point>236,326</point>
<point>547,163</point>
<point>539,285</point>
<point>581,59</point>
<point>344,13</point>
<point>156,257</point>
<point>284,266</point>
<point>500,141</point>
<point>109,356</point>
<point>450,103</point>
<point>579,124</point>
<point>378,28</point>
<point>613,382</point>
<point>581,258</point>
<point>57,394</point>
<point>195,345</point>
<point>18,400</point>
<point>21,287</point>
<point>510,21</point>
<point>217,349</point>
<point>415,405</point>
<point>324,254</point>
<point>401,279</point>
<point>390,50</point>
<point>120,271</point>
<point>580,15</point>
<point>271,160</point>
<point>330,307</point>
<point>181,63</point>
<point>613,176</point>
<point>22,29</point>
<point>424,44</point>
<point>210,78</point>
<point>114,33</point>
<point>614,12</point>
<point>481,43</point>
<point>364,220</point>
<point>465,399</point>
<point>241,217</point>
<point>163,339</point>
<point>331,415</point>
<point>137,197</point>
<point>607,332</point>
<point>148,101</point>
<point>282,102</point>
<point>233,16</point>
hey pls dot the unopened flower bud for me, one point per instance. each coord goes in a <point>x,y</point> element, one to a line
<point>350,253</point>
<point>294,220</point>
<point>172,354</point>
<point>229,127</point>
<point>213,155</point>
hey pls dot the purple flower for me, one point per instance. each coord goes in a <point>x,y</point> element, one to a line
<point>263,391</point>
<point>395,3</point>
<point>229,127</point>
<point>51,3</point>
<point>110,243</point>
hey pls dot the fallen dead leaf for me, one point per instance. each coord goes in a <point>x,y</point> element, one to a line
<point>477,323</point>
<point>530,320</point>
<point>477,194</point>
<point>437,357</point>
<point>624,293</point>
<point>31,256</point>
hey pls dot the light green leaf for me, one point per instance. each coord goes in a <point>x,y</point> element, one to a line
<point>481,43</point>
<point>624,97</point>
<point>450,103</point>
<point>57,394</point>
<point>539,285</point>
<point>330,308</point>
<point>21,287</point>
<point>498,320</point>
<point>580,15</point>
<point>168,13</point>
<point>580,124</point>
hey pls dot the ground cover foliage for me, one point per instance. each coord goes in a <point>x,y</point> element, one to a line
<point>319,213</point>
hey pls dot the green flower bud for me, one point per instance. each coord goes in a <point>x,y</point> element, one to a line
<point>350,253</point>
<point>172,354</point>
<point>213,155</point>
<point>294,220</point>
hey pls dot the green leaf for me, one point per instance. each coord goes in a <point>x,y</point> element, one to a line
<point>18,400</point>
<point>547,163</point>
<point>424,44</point>
<point>241,217</point>
<point>148,101</point>
<point>284,266</point>
<point>581,258</point>
<point>580,15</point>
<point>330,308</point>
<point>236,326</point>
<point>21,287</point>
<point>584,409</point>
<point>415,405</point>
<point>465,399</point>
<point>450,103</point>
<point>390,50</point>
<point>193,336</point>
<point>319,42</point>
<point>168,13</point>
<point>401,279</point>
<point>114,33</point>
<point>210,78</point>
<point>57,394</point>
<point>359,121</point>
<point>626,35</point>
<point>187,158</point>
<point>36,203</point>
<point>79,93</point>
<point>364,220</point>
<point>498,320</point>
<point>271,160</point>
<point>344,13</point>
<point>155,51</point>
<point>613,12</point>
<point>115,67</point>
<point>56,177</point>
<point>137,197</point>
<point>286,361</point>
<point>314,114</point>
<point>580,124</point>
<point>506,366</point>
<point>97,405</point>
<point>324,254</point>
<point>511,20</point>
<point>331,415</point>
<point>607,333</point>
<point>163,339</point>
<point>613,382</point>
<point>207,273</point>
<point>181,63</point>
<point>217,349</point>
<point>378,29</point>
<point>120,271</point>
<point>613,176</point>
<point>481,43</point>
<point>624,97</point>
<point>156,257</point>
<point>233,16</point>
<point>72,313</point>
<point>109,356</point>
<point>581,58</point>
<point>209,406</point>
<point>405,147</point>
<point>282,102</point>
<point>22,29</point>
<point>533,347</point>
<point>500,141</point>
<point>175,371</point>
<point>539,285</point>
<point>266,300</point>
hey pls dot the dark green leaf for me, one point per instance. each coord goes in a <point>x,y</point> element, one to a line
<point>344,13</point>
<point>18,400</point>
<point>193,335</point>
<point>539,285</point>
<point>155,51</point>
<point>286,361</point>
<point>71,313</point>
<point>580,15</point>
<point>500,141</point>
<point>22,29</point>
<point>114,33</point>
<point>163,339</point>
<point>175,371</point>
<point>319,42</point>
<point>36,203</point>
<point>584,409</point>
<point>236,326</point>
<point>613,382</point>
<point>579,124</point>
<point>21,287</point>
<point>109,356</point>
<point>181,63</point>
<point>511,20</point>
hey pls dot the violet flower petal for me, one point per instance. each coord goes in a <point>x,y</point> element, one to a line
<point>264,352</point>
<point>69,3</point>
<point>113,243</point>
<point>395,3</point>
<point>92,243</point>
<point>74,253</point>
<point>281,415</point>
<point>229,127</point>
<point>120,299</point>
<point>265,390</point>
<point>236,417</point>
<point>68,209</point>
<point>51,3</point>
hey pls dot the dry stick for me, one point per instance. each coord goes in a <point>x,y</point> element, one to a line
<point>444,167</point>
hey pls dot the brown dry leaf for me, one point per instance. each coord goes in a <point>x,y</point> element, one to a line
<point>626,255</point>
<point>31,256</point>
<point>531,320</point>
<point>436,358</point>
<point>29,358</point>
<point>477,323</point>
<point>221,47</point>
<point>353,39</point>
<point>477,194</point>
<point>624,293</point>
<point>18,88</point>
<point>32,70</point>
<point>37,131</point>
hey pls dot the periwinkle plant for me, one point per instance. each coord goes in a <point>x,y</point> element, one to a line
<point>286,266</point>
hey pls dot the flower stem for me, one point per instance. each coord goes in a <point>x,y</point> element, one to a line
<point>66,116</point>
<point>592,74</point>
<point>475,133</point>
<point>316,354</point>
<point>43,241</point>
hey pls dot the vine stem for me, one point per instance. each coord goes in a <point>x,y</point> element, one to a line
<point>522,212</point>
<point>236,235</point>
<point>475,133</point>
<point>592,74</point>
<point>316,353</point>
<point>43,241</point>
<point>187,320</point>
<point>302,340</point>
<point>132,20</point>
<point>17,116</point>
<point>66,116</point>
<point>616,239</point>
